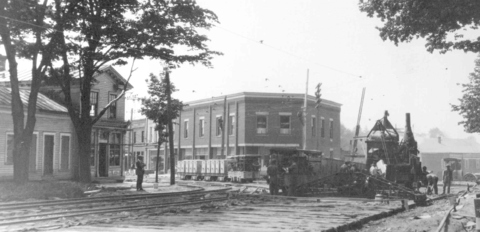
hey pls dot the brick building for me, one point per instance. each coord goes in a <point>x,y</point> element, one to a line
<point>55,130</point>
<point>253,123</point>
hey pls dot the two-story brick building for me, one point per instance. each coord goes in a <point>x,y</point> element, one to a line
<point>254,123</point>
<point>55,129</point>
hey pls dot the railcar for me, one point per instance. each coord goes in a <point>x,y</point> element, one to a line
<point>238,168</point>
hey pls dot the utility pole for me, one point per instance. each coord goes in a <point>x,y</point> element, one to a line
<point>170,128</point>
<point>318,100</point>
<point>222,126</point>
<point>305,115</point>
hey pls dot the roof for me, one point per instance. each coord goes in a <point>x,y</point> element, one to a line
<point>43,103</point>
<point>446,145</point>
<point>262,95</point>
<point>25,75</point>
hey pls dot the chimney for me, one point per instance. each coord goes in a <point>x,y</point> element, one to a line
<point>439,139</point>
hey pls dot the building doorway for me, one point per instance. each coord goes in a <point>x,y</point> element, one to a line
<point>48,142</point>
<point>102,160</point>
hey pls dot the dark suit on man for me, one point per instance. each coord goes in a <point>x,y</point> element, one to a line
<point>139,171</point>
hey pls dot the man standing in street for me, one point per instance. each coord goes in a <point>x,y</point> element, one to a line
<point>447,179</point>
<point>272,172</point>
<point>139,171</point>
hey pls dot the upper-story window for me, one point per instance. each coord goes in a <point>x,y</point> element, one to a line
<point>331,128</point>
<point>219,125</point>
<point>112,112</point>
<point>93,103</point>
<point>261,123</point>
<point>314,126</point>
<point>143,136</point>
<point>231,124</point>
<point>134,137</point>
<point>201,127</point>
<point>285,123</point>
<point>322,128</point>
<point>185,129</point>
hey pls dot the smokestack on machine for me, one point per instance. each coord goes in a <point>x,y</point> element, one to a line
<point>408,138</point>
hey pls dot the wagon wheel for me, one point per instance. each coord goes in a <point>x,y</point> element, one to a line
<point>469,177</point>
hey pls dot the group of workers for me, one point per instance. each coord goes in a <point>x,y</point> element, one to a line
<point>427,178</point>
<point>276,177</point>
<point>432,180</point>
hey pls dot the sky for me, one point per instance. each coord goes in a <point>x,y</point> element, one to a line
<point>268,46</point>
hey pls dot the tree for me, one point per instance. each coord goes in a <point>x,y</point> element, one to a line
<point>346,136</point>
<point>443,24</point>
<point>96,32</point>
<point>435,133</point>
<point>23,33</point>
<point>155,107</point>
<point>469,107</point>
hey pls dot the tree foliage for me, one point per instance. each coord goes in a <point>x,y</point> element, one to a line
<point>469,107</point>
<point>443,24</point>
<point>23,34</point>
<point>154,107</point>
<point>436,132</point>
<point>91,34</point>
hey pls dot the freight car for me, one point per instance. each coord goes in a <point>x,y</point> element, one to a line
<point>239,168</point>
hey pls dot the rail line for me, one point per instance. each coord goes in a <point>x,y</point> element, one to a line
<point>443,223</point>
<point>60,212</point>
<point>20,205</point>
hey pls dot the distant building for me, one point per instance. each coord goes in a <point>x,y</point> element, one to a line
<point>463,155</point>
<point>249,123</point>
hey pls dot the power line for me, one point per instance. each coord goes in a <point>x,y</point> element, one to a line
<point>289,53</point>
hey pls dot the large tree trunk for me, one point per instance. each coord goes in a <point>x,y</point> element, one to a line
<point>83,154</point>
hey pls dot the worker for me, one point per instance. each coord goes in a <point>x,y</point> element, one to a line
<point>140,171</point>
<point>345,167</point>
<point>447,179</point>
<point>432,181</point>
<point>353,168</point>
<point>375,171</point>
<point>272,172</point>
<point>424,175</point>
<point>292,172</point>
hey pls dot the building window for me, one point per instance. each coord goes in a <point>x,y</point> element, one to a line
<point>331,129</point>
<point>314,126</point>
<point>219,125</point>
<point>134,137</point>
<point>201,127</point>
<point>64,152</point>
<point>150,135</point>
<point>93,103</point>
<point>143,136</point>
<point>112,111</point>
<point>114,149</point>
<point>261,124</point>
<point>185,129</point>
<point>92,149</point>
<point>322,129</point>
<point>33,154</point>
<point>284,124</point>
<point>231,124</point>
<point>9,153</point>
<point>331,153</point>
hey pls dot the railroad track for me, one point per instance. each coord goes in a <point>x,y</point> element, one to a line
<point>29,212</point>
